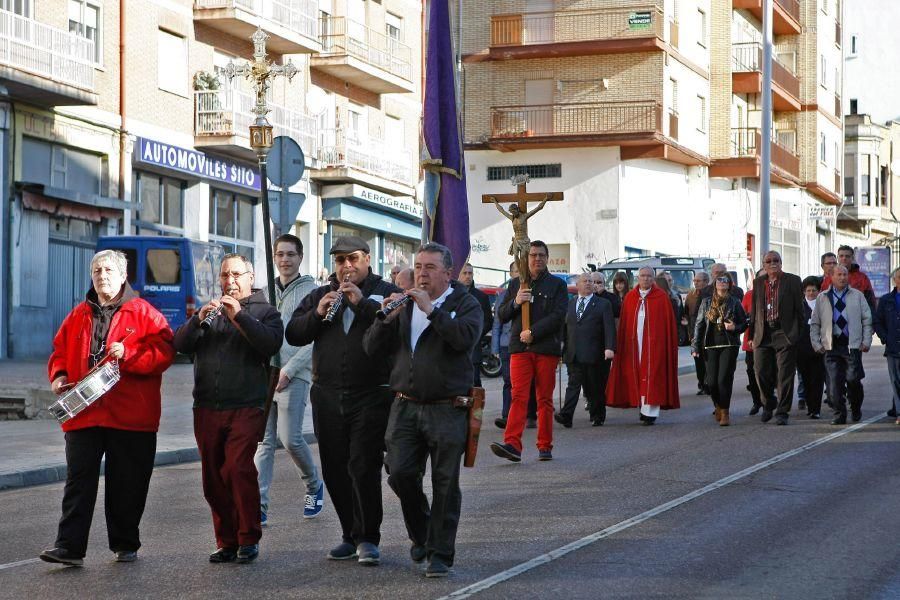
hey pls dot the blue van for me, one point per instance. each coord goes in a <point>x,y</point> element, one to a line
<point>176,275</point>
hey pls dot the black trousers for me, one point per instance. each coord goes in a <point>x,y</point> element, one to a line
<point>811,367</point>
<point>775,362</point>
<point>477,379</point>
<point>720,366</point>
<point>592,378</point>
<point>350,428</point>
<point>752,386</point>
<point>416,433</point>
<point>845,375</point>
<point>700,367</point>
<point>129,465</point>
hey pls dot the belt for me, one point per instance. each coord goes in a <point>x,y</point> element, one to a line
<point>463,401</point>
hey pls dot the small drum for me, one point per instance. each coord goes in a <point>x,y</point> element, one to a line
<point>86,391</point>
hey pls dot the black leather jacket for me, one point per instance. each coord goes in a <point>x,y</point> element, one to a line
<point>734,312</point>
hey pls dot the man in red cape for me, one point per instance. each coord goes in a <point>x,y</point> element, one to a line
<point>645,370</point>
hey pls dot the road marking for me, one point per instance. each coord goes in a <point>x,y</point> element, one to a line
<point>543,559</point>
<point>19,563</point>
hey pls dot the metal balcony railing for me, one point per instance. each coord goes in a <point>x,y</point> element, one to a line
<point>745,142</point>
<point>556,27</point>
<point>338,149</point>
<point>343,36</point>
<point>300,16</point>
<point>46,51</point>
<point>747,57</point>
<point>673,125</point>
<point>589,118</point>
<point>229,113</point>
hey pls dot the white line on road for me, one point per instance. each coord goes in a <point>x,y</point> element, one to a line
<point>19,563</point>
<point>543,559</point>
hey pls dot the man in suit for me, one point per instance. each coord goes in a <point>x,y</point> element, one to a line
<point>600,291</point>
<point>467,278</point>
<point>588,347</point>
<point>774,329</point>
<point>689,319</point>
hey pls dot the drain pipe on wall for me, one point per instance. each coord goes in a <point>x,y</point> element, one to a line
<point>123,135</point>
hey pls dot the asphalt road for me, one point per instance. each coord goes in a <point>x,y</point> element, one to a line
<point>685,509</point>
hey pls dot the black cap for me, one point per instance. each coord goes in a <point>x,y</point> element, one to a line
<point>349,244</point>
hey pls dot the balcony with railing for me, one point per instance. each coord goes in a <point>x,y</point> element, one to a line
<point>222,119</point>
<point>746,76</point>
<point>344,157</point>
<point>577,120</point>
<point>292,25</point>
<point>358,54</point>
<point>576,32</point>
<point>745,158</point>
<point>785,14</point>
<point>43,64</point>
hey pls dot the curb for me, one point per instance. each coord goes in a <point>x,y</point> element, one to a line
<point>57,473</point>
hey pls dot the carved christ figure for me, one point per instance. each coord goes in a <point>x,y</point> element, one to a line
<point>520,241</point>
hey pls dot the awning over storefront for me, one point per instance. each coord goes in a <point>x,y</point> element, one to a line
<point>344,209</point>
<point>64,203</point>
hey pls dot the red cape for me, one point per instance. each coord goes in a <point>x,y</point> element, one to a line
<point>656,376</point>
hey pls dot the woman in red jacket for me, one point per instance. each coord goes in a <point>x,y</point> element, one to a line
<point>121,424</point>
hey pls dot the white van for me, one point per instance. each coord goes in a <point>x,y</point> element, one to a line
<point>741,271</point>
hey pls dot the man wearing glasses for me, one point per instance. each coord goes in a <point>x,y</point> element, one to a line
<point>534,352</point>
<point>350,396</point>
<point>774,333</point>
<point>231,358</point>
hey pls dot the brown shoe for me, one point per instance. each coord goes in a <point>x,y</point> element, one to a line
<point>717,414</point>
<point>723,417</point>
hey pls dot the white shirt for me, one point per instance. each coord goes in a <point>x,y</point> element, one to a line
<point>640,323</point>
<point>420,322</point>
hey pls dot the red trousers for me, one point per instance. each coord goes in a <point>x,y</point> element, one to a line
<point>523,368</point>
<point>227,442</point>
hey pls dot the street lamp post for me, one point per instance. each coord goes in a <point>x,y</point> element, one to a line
<point>261,72</point>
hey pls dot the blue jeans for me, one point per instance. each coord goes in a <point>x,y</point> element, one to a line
<point>845,374</point>
<point>286,424</point>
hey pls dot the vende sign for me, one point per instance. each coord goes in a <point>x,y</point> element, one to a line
<point>159,154</point>
<point>559,258</point>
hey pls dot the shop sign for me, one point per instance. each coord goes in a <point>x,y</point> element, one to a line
<point>152,152</point>
<point>876,263</point>
<point>818,211</point>
<point>640,20</point>
<point>401,204</point>
<point>559,258</point>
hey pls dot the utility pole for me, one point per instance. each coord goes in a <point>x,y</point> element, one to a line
<point>765,167</point>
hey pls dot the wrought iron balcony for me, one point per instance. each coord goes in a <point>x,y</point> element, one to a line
<point>340,149</point>
<point>745,143</point>
<point>356,53</point>
<point>564,26</point>
<point>45,64</point>
<point>785,14</point>
<point>746,67</point>
<point>579,119</point>
<point>292,25</point>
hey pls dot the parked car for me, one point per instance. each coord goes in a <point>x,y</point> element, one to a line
<point>176,275</point>
<point>682,269</point>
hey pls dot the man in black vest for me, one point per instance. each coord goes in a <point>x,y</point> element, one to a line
<point>350,394</point>
<point>588,346</point>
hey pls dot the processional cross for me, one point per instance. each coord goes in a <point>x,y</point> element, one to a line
<point>518,214</point>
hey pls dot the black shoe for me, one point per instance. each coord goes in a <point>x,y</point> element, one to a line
<point>856,414</point>
<point>781,420</point>
<point>815,416</point>
<point>642,417</point>
<point>701,393</point>
<point>126,555</point>
<point>755,409</point>
<point>649,421</point>
<point>506,451</point>
<point>417,553</point>
<point>343,551</point>
<point>61,556</point>
<point>766,416</point>
<point>247,554</point>
<point>368,554</point>
<point>839,421</point>
<point>531,424</point>
<point>801,404</point>
<point>597,422</point>
<point>500,422</point>
<point>892,412</point>
<point>223,555</point>
<point>567,423</point>
<point>545,455</point>
<point>437,568</point>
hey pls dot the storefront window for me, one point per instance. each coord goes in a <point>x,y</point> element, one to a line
<point>162,204</point>
<point>398,252</point>
<point>231,221</point>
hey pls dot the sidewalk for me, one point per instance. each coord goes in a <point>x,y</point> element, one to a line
<point>32,452</point>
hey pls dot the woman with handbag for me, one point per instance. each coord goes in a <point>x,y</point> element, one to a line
<point>717,337</point>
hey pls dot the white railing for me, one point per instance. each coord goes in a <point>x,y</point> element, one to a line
<point>46,51</point>
<point>337,149</point>
<point>345,36</point>
<point>229,113</point>
<point>299,16</point>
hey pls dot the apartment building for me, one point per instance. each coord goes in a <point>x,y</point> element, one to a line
<point>646,115</point>
<point>151,138</point>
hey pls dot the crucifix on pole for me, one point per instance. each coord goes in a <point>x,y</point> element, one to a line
<point>518,214</point>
